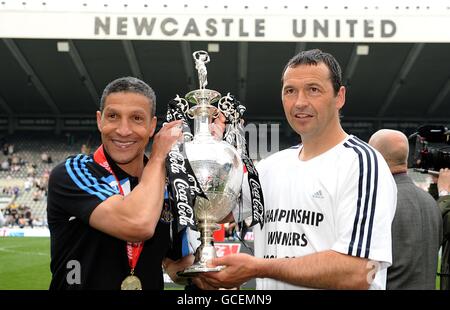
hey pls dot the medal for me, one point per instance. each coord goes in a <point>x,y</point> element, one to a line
<point>131,283</point>
<point>133,249</point>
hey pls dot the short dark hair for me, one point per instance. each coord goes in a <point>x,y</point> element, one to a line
<point>132,85</point>
<point>314,57</point>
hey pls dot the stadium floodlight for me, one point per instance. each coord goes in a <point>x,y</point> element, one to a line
<point>63,46</point>
<point>362,50</point>
<point>213,47</point>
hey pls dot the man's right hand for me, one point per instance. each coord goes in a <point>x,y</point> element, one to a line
<point>165,139</point>
<point>135,216</point>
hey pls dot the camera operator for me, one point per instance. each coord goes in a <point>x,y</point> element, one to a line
<point>432,154</point>
<point>443,186</point>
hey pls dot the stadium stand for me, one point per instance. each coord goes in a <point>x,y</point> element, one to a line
<point>23,185</point>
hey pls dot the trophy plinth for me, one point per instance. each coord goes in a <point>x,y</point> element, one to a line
<point>217,166</point>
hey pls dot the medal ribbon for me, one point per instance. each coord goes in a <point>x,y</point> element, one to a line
<point>183,184</point>
<point>134,249</point>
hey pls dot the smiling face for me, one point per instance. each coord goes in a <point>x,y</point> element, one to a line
<point>309,101</point>
<point>126,125</point>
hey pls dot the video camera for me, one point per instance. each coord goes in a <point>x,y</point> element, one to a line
<point>431,149</point>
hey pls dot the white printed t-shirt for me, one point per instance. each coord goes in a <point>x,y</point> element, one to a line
<point>343,200</point>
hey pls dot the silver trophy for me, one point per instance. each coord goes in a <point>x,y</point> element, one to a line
<point>217,166</point>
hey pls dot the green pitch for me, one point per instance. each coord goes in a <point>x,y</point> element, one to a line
<point>24,263</point>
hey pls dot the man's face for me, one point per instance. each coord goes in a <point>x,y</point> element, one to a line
<point>126,125</point>
<point>309,102</point>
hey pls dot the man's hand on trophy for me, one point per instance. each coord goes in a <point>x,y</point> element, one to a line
<point>165,139</point>
<point>171,267</point>
<point>218,126</point>
<point>239,268</point>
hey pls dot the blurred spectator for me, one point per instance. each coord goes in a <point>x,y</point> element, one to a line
<point>10,149</point>
<point>443,185</point>
<point>46,174</point>
<point>28,218</point>
<point>31,170</point>
<point>84,149</point>
<point>2,218</point>
<point>15,160</point>
<point>15,168</point>
<point>417,220</point>
<point>36,196</point>
<point>21,221</point>
<point>5,165</point>
<point>9,217</point>
<point>230,230</point>
<point>28,184</point>
<point>46,158</point>
<point>15,191</point>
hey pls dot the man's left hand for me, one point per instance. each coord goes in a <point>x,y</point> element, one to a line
<point>239,268</point>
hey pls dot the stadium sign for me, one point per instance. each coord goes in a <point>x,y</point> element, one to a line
<point>291,21</point>
<point>226,28</point>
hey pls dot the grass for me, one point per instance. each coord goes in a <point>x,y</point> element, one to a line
<point>24,263</point>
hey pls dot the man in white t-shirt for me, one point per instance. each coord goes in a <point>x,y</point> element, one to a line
<point>329,202</point>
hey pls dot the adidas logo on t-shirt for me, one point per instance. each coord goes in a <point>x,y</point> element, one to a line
<point>318,194</point>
